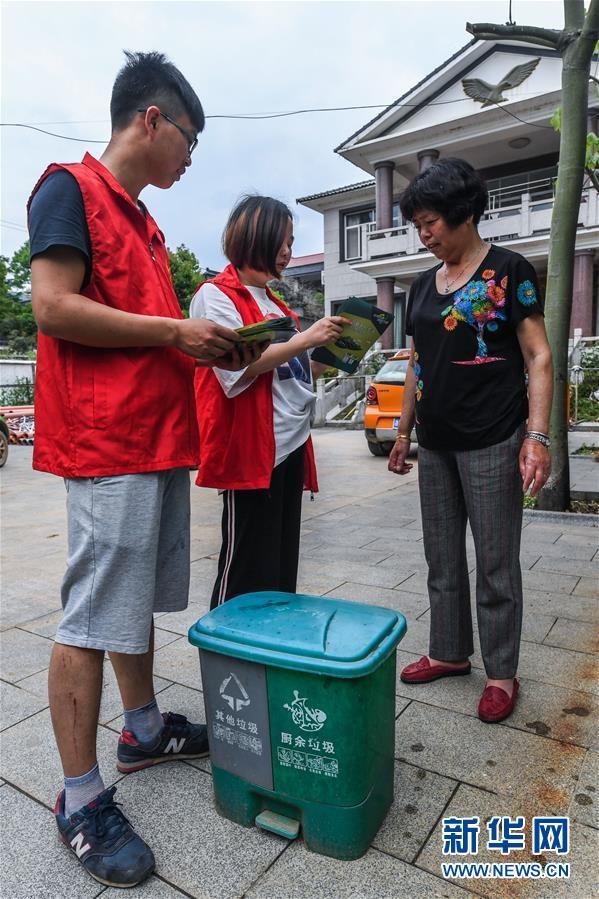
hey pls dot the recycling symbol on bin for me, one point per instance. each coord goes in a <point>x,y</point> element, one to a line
<point>303,716</point>
<point>234,693</point>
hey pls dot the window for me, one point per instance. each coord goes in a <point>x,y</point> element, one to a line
<point>353,223</point>
<point>353,227</point>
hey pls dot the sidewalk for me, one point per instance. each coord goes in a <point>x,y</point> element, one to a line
<point>362,540</point>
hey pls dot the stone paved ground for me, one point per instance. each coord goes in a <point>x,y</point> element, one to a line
<point>362,541</point>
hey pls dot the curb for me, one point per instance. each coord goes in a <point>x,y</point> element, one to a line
<point>583,519</point>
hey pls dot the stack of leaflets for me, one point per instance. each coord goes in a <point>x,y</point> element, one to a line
<point>367,324</point>
<point>273,330</point>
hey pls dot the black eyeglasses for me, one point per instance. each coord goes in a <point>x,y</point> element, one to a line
<point>192,142</point>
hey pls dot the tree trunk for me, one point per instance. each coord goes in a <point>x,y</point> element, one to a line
<point>577,57</point>
<point>575,43</point>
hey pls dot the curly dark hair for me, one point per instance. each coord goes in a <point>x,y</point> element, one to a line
<point>449,187</point>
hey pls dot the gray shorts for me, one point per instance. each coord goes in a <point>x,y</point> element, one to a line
<point>128,556</point>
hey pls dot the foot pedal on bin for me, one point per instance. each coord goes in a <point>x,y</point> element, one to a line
<point>280,824</point>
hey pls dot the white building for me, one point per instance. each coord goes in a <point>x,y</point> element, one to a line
<point>369,251</point>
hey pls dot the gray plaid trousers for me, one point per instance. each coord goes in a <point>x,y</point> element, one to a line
<point>483,487</point>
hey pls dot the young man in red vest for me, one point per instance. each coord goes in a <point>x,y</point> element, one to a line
<point>115,417</point>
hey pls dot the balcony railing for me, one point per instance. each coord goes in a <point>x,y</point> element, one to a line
<point>510,215</point>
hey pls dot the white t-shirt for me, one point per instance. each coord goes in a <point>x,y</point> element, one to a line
<point>292,395</point>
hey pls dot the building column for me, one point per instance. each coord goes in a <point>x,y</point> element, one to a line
<point>582,294</point>
<point>383,173</point>
<point>385,300</point>
<point>426,158</point>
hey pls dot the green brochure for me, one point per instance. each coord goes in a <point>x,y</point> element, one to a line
<point>275,330</point>
<point>367,324</point>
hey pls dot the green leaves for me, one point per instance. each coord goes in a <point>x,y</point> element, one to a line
<point>186,274</point>
<point>18,329</point>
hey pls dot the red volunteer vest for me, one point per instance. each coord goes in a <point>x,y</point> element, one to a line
<point>237,442</point>
<point>115,411</point>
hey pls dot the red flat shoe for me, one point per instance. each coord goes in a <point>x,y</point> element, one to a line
<point>422,672</point>
<point>495,704</point>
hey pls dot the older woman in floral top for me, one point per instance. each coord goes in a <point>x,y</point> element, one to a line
<point>476,323</point>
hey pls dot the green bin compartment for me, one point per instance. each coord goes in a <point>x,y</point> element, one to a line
<point>300,707</point>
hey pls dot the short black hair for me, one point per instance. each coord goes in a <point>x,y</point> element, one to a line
<point>450,187</point>
<point>254,233</point>
<point>149,79</point>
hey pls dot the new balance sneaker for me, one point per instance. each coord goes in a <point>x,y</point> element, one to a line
<point>103,840</point>
<point>178,739</point>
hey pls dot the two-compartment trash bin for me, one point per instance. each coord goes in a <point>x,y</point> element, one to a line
<point>300,708</point>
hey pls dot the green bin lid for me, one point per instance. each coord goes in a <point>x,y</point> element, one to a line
<point>306,633</point>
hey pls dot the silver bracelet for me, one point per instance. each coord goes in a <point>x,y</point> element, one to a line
<point>539,436</point>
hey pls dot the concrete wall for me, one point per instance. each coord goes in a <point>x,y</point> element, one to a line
<point>12,369</point>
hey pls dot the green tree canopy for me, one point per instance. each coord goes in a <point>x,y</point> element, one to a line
<point>186,275</point>
<point>18,329</point>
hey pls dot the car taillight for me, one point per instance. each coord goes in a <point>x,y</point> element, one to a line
<point>371,396</point>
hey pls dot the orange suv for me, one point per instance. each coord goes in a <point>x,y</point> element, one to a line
<point>383,404</point>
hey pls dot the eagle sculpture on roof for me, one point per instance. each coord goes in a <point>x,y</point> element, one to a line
<point>489,94</point>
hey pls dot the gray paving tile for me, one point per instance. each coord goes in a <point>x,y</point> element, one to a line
<point>44,626</point>
<point>202,577</point>
<point>542,533</point>
<point>180,622</point>
<point>582,608</point>
<point>563,565</point>
<point>584,807</point>
<point>587,537</point>
<point>24,600</point>
<point>543,709</point>
<point>587,586</point>
<point>33,863</point>
<point>562,667</point>
<point>31,762</point>
<point>375,575</point>
<point>23,654</point>
<point>576,635</point>
<point>16,704</point>
<point>420,798</point>
<point>199,852</point>
<point>467,802</point>
<point>299,873</point>
<point>564,550</point>
<point>402,601</point>
<point>153,888</point>
<point>317,584</point>
<point>351,536</point>
<point>541,580</point>
<point>179,662</point>
<point>326,552</point>
<point>499,758</point>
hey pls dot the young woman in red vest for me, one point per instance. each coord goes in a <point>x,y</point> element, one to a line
<point>254,424</point>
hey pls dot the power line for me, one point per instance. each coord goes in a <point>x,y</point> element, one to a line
<point>80,140</point>
<point>524,122</point>
<point>255,117</point>
<point>13,225</point>
<point>269,115</point>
